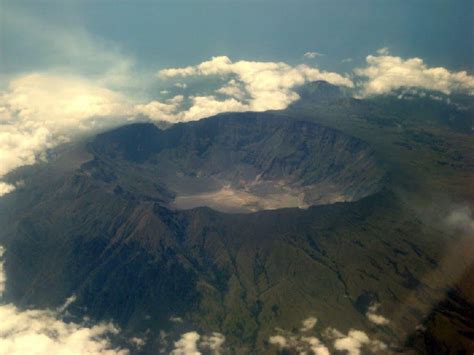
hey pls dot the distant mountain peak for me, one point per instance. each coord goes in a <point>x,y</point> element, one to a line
<point>320,91</point>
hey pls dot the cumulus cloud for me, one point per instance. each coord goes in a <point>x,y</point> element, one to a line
<point>43,332</point>
<point>41,97</point>
<point>181,85</point>
<point>39,111</point>
<point>165,111</point>
<point>191,343</point>
<point>137,342</point>
<point>302,344</point>
<point>355,341</point>
<point>352,343</point>
<point>267,85</point>
<point>205,106</point>
<point>187,344</point>
<point>372,315</point>
<point>6,188</point>
<point>232,89</point>
<point>385,73</point>
<point>278,340</point>
<point>213,343</point>
<point>383,51</point>
<point>308,324</point>
<point>312,55</point>
<point>315,345</point>
<point>299,342</point>
<point>461,218</point>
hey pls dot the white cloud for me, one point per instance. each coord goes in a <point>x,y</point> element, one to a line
<point>355,341</point>
<point>137,342</point>
<point>42,97</point>
<point>41,332</point>
<point>6,188</point>
<point>316,346</point>
<point>181,85</point>
<point>308,324</point>
<point>268,85</point>
<point>213,342</point>
<point>162,111</point>
<point>372,315</point>
<point>352,343</point>
<point>174,110</point>
<point>385,73</point>
<point>312,55</point>
<point>302,344</point>
<point>205,106</point>
<point>232,89</point>
<point>461,218</point>
<point>190,343</point>
<point>278,340</point>
<point>40,110</point>
<point>187,344</point>
<point>70,300</point>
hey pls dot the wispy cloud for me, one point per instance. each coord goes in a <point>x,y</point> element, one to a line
<point>385,73</point>
<point>308,324</point>
<point>312,55</point>
<point>70,48</point>
<point>461,218</point>
<point>373,316</point>
<point>191,343</point>
<point>353,343</point>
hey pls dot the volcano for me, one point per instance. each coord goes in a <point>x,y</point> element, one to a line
<point>242,224</point>
<point>243,162</point>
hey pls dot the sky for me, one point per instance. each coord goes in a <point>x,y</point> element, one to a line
<point>69,68</point>
<point>182,32</point>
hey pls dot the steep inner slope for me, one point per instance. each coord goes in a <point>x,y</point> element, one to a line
<point>243,162</point>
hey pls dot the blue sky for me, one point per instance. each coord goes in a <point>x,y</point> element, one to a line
<point>159,34</point>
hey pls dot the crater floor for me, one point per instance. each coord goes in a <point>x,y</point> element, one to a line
<point>240,163</point>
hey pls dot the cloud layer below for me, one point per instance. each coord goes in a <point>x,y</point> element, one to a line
<point>353,343</point>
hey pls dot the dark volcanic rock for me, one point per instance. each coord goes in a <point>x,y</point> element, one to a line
<point>111,232</point>
<point>244,162</point>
